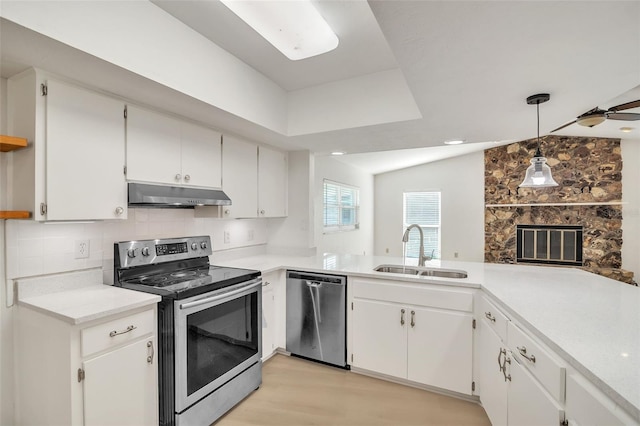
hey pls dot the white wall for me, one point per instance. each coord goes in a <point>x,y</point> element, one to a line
<point>631,208</point>
<point>6,335</point>
<point>461,182</point>
<point>359,241</point>
<point>36,248</point>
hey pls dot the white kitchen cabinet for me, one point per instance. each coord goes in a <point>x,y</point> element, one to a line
<point>423,334</point>
<point>588,406</point>
<point>104,372</point>
<point>268,318</point>
<point>163,149</point>
<point>491,380</point>
<point>240,177</point>
<point>510,392</point>
<point>73,168</point>
<point>272,183</point>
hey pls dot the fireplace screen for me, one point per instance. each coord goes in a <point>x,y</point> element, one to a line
<point>549,244</point>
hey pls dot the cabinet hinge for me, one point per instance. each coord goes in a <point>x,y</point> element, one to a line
<point>125,173</point>
<point>80,375</point>
<point>473,386</point>
<point>473,324</point>
<point>43,89</point>
<point>43,209</point>
<point>352,306</point>
<point>125,111</point>
<point>352,358</point>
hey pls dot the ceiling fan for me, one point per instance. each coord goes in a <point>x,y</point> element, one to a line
<point>596,116</point>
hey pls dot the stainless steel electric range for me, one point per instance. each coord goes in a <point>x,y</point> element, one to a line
<point>209,325</point>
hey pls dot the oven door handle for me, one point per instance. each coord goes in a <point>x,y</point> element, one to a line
<point>221,295</point>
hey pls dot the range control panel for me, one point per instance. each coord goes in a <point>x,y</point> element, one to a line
<point>147,252</point>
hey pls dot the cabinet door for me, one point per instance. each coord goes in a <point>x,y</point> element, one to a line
<point>153,147</point>
<point>85,155</point>
<point>380,337</point>
<point>440,349</point>
<point>493,387</point>
<point>120,387</point>
<point>201,156</point>
<point>240,177</point>
<point>528,402</point>
<point>272,183</point>
<point>268,319</point>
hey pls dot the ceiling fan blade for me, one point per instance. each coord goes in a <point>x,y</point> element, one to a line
<point>563,126</point>
<point>624,116</point>
<point>628,105</point>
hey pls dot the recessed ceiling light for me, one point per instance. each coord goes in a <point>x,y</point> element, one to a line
<point>337,153</point>
<point>295,28</point>
<point>454,142</point>
<point>626,129</point>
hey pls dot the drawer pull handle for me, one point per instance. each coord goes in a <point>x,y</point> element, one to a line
<point>402,317</point>
<point>150,357</point>
<point>523,352</point>
<point>115,333</point>
<point>490,317</point>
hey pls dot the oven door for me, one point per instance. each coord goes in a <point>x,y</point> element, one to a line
<point>217,336</point>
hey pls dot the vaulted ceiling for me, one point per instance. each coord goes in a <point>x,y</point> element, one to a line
<point>453,70</point>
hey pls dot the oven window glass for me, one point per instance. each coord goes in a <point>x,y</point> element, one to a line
<point>220,338</point>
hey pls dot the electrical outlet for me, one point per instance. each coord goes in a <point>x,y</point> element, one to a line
<point>227,237</point>
<point>250,235</point>
<point>81,249</point>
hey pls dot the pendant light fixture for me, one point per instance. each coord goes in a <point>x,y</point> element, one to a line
<point>538,174</point>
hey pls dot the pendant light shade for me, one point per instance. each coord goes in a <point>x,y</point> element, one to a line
<point>538,174</point>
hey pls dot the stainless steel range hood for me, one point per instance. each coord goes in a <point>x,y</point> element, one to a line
<point>160,196</point>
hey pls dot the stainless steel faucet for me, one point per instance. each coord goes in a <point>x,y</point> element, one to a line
<point>421,255</point>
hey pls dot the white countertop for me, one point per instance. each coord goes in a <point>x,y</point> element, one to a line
<point>79,297</point>
<point>592,322</point>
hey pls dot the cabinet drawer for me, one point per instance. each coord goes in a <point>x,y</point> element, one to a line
<point>494,317</point>
<point>545,366</point>
<point>586,405</point>
<point>116,332</point>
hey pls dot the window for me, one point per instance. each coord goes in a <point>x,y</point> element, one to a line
<point>341,207</point>
<point>423,209</point>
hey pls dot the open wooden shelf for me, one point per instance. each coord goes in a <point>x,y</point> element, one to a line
<point>14,214</point>
<point>9,143</point>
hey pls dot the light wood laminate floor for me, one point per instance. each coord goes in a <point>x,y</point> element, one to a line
<point>297,392</point>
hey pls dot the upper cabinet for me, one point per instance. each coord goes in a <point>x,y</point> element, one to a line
<point>240,177</point>
<point>73,167</point>
<point>272,183</point>
<point>162,149</point>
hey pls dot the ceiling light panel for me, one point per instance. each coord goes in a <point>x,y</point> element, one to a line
<point>295,28</point>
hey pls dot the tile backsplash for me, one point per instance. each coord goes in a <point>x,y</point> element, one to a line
<point>35,248</point>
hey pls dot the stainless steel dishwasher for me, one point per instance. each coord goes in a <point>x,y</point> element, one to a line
<point>316,317</point>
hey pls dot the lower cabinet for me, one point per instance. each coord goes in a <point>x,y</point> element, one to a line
<point>430,345</point>
<point>512,393</point>
<point>119,386</point>
<point>273,313</point>
<point>101,373</point>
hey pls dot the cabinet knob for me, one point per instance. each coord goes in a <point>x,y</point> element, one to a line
<point>261,211</point>
<point>227,211</point>
<point>119,211</point>
<point>187,178</point>
<point>178,177</point>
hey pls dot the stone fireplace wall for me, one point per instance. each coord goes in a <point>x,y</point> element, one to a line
<point>589,174</point>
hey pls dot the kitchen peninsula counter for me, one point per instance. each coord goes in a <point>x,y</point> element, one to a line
<point>592,322</point>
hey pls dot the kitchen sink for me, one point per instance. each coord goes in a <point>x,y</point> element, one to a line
<point>422,271</point>
<point>398,269</point>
